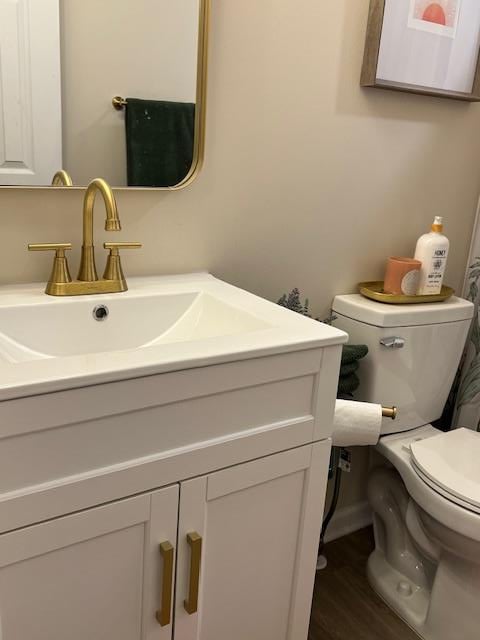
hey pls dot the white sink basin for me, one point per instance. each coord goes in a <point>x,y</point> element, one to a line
<point>70,327</point>
<point>160,324</point>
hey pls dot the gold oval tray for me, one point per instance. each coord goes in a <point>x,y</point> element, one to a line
<point>374,291</point>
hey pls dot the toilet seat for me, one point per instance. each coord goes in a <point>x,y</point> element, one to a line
<point>449,464</point>
<point>428,495</point>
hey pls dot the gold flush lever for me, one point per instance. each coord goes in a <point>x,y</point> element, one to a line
<point>113,268</point>
<point>60,272</point>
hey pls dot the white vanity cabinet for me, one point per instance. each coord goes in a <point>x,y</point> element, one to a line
<point>164,491</point>
<point>93,574</point>
<point>244,538</point>
<point>259,526</point>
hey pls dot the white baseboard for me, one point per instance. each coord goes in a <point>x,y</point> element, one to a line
<point>348,520</point>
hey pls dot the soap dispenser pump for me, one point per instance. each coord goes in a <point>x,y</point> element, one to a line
<point>432,251</point>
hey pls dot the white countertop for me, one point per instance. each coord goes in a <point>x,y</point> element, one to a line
<point>281,331</point>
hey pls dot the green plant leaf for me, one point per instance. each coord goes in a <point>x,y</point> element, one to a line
<point>473,292</point>
<point>475,336</point>
<point>293,302</point>
<point>470,385</point>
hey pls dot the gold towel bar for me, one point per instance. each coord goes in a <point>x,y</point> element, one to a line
<point>389,412</point>
<point>119,103</point>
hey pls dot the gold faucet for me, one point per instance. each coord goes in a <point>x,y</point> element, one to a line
<point>62,179</point>
<point>60,283</point>
<point>88,271</point>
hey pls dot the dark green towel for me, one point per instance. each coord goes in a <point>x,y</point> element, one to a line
<point>349,381</point>
<point>160,137</point>
<point>353,352</point>
<point>347,385</point>
<point>347,369</point>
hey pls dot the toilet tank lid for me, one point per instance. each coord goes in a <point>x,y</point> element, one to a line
<point>380,314</point>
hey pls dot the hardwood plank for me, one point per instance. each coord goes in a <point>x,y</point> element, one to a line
<point>345,607</point>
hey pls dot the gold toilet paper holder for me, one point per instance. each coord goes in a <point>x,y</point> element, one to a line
<point>389,412</point>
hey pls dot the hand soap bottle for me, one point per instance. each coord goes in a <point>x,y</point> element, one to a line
<point>432,251</point>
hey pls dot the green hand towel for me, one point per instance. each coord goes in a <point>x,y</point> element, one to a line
<point>349,381</point>
<point>347,369</point>
<point>347,385</point>
<point>353,352</point>
<point>160,137</point>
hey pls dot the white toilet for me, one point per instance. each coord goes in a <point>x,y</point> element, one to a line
<point>426,502</point>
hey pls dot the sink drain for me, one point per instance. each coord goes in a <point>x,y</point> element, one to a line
<point>100,313</point>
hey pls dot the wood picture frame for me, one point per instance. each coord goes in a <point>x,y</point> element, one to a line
<point>369,75</point>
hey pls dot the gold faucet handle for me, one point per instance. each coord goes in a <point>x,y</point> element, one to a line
<point>60,273</point>
<point>113,268</point>
<point>115,247</point>
<point>59,248</point>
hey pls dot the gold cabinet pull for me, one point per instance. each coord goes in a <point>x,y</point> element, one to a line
<point>163,615</point>
<point>194,541</point>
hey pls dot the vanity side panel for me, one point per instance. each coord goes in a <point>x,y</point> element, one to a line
<point>326,392</point>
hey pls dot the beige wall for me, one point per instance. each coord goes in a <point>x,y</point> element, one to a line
<point>309,180</point>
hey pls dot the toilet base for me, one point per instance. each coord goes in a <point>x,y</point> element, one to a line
<point>408,600</point>
<point>428,573</point>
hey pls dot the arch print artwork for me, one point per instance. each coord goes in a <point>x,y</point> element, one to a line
<point>440,17</point>
<point>429,47</point>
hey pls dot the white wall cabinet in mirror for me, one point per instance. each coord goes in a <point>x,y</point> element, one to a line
<point>63,63</point>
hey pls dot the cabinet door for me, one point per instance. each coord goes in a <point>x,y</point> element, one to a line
<point>85,575</point>
<point>258,525</point>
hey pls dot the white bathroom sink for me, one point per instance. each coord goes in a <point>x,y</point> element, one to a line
<point>160,324</point>
<point>79,326</point>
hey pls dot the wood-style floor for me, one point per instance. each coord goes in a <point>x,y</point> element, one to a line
<point>344,606</point>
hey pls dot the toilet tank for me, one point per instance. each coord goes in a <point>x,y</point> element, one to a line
<point>414,353</point>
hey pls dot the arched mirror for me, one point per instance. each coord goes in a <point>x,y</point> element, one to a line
<point>113,89</point>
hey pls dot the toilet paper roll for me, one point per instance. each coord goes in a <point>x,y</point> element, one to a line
<point>356,423</point>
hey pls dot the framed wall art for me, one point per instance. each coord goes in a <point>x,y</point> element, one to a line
<point>424,47</point>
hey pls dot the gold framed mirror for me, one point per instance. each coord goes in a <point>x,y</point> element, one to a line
<point>116,89</point>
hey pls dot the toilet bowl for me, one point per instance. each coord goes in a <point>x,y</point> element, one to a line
<point>425,495</point>
<point>426,564</point>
